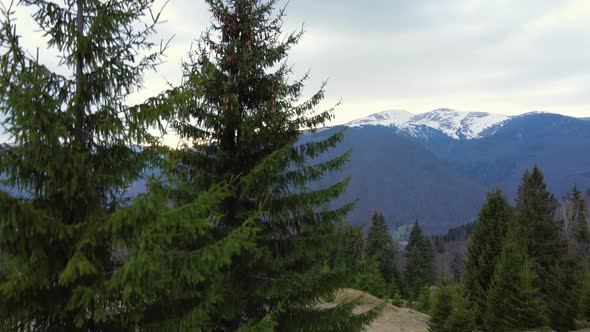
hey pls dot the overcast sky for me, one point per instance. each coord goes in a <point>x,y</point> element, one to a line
<point>498,56</point>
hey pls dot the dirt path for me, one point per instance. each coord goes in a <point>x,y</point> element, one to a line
<point>393,319</point>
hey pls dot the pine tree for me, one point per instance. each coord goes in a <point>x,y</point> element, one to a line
<point>441,308</point>
<point>462,317</point>
<point>539,232</point>
<point>484,248</point>
<point>514,302</point>
<point>244,118</point>
<point>418,262</point>
<point>380,245</point>
<point>71,156</point>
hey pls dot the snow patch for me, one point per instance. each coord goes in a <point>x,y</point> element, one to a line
<point>455,124</point>
<point>385,118</point>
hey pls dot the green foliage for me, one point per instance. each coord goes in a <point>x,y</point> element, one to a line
<point>176,262</point>
<point>394,293</point>
<point>514,301</point>
<point>370,280</point>
<point>380,246</point>
<point>423,303</point>
<point>484,248</point>
<point>462,317</point>
<point>534,222</point>
<point>72,156</point>
<point>418,262</point>
<point>584,296</point>
<point>561,296</point>
<point>441,308</point>
<point>540,235</point>
<point>351,253</point>
<point>243,116</point>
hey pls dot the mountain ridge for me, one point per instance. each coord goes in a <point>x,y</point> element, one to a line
<point>458,125</point>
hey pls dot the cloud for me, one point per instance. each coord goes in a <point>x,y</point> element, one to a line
<point>501,56</point>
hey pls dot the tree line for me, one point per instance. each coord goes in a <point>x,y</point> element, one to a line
<point>526,267</point>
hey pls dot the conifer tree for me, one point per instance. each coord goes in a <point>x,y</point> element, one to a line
<point>539,232</point>
<point>441,308</point>
<point>71,157</point>
<point>514,301</point>
<point>423,302</point>
<point>351,254</point>
<point>380,246</point>
<point>169,281</point>
<point>484,248</point>
<point>418,262</point>
<point>534,221</point>
<point>462,317</point>
<point>370,279</point>
<point>243,117</point>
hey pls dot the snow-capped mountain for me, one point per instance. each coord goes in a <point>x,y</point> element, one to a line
<point>455,124</point>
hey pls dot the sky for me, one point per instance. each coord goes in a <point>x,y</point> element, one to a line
<point>502,56</point>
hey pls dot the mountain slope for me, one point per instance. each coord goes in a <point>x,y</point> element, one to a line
<point>558,144</point>
<point>414,170</point>
<point>403,180</point>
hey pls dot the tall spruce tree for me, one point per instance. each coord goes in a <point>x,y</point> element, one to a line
<point>539,232</point>
<point>381,246</point>
<point>483,250</point>
<point>71,157</point>
<point>514,301</point>
<point>418,271</point>
<point>535,221</point>
<point>243,116</point>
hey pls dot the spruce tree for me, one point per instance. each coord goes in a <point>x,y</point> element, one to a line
<point>370,279</point>
<point>350,255</point>
<point>380,246</point>
<point>483,250</point>
<point>243,118</point>
<point>441,308</point>
<point>176,262</point>
<point>539,232</point>
<point>462,317</point>
<point>423,302</point>
<point>514,301</point>
<point>418,262</point>
<point>535,221</point>
<point>71,157</point>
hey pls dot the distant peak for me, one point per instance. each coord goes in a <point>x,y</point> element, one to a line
<point>384,118</point>
<point>453,123</point>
